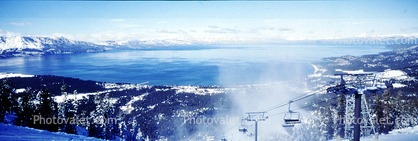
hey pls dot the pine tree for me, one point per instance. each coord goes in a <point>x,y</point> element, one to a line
<point>398,107</point>
<point>48,109</point>
<point>325,112</point>
<point>26,109</point>
<point>390,112</point>
<point>111,117</point>
<point>411,109</point>
<point>123,128</point>
<point>111,125</point>
<point>67,112</point>
<point>6,100</point>
<point>84,112</point>
<point>97,119</point>
<point>133,129</point>
<point>329,122</point>
<point>378,111</point>
<point>340,113</point>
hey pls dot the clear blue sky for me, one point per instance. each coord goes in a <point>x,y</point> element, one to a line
<point>114,20</point>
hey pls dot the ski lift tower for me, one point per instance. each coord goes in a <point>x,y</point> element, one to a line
<point>256,116</point>
<point>354,90</point>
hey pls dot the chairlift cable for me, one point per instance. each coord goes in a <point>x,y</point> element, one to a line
<point>227,130</point>
<point>300,107</point>
<point>281,104</point>
<point>293,100</point>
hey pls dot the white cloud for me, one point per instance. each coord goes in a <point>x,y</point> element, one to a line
<point>128,25</point>
<point>98,37</point>
<point>231,30</point>
<point>8,34</point>
<point>162,22</point>
<point>409,29</point>
<point>333,37</point>
<point>295,38</point>
<point>165,31</point>
<point>19,24</point>
<point>388,35</point>
<point>213,26</point>
<point>356,23</point>
<point>253,31</point>
<point>273,20</point>
<point>217,31</point>
<point>267,28</point>
<point>114,36</point>
<point>117,20</point>
<point>182,31</point>
<point>285,29</point>
<point>68,36</point>
<point>261,29</point>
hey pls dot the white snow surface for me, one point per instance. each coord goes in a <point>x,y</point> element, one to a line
<point>110,86</point>
<point>20,43</point>
<point>406,134</point>
<point>386,75</point>
<point>31,42</point>
<point>197,90</point>
<point>318,72</point>
<point>395,74</point>
<point>12,133</point>
<point>8,75</point>
<point>128,107</point>
<point>398,85</point>
<point>350,72</point>
<point>21,90</point>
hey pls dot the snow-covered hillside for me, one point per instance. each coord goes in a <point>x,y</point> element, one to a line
<point>28,46</point>
<point>13,133</point>
<point>406,134</point>
<point>14,46</point>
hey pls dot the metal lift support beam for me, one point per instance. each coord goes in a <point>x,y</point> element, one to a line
<point>358,92</point>
<point>256,116</point>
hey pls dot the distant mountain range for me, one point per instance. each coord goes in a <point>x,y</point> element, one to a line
<point>36,45</point>
<point>16,46</point>
<point>30,46</point>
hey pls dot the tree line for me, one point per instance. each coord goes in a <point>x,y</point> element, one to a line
<point>31,108</point>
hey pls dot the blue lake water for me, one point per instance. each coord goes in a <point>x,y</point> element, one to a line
<point>189,65</point>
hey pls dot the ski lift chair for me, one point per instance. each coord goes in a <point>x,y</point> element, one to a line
<point>224,138</point>
<point>243,127</point>
<point>291,118</point>
<point>288,125</point>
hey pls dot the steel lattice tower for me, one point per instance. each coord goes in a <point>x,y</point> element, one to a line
<point>358,121</point>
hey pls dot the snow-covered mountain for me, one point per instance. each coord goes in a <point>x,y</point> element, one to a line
<point>29,46</point>
<point>15,46</point>
<point>370,40</point>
